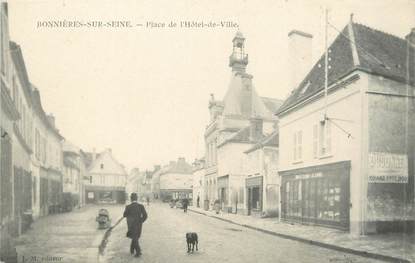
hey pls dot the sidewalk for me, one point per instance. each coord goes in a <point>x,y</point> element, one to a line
<point>66,237</point>
<point>388,247</point>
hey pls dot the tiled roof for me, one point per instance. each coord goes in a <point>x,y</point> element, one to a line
<point>87,158</point>
<point>18,60</point>
<point>268,141</point>
<point>377,53</point>
<point>37,105</point>
<point>242,136</point>
<point>272,104</point>
<point>180,167</point>
<point>241,99</point>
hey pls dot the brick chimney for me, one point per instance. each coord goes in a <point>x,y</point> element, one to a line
<point>299,56</point>
<point>255,129</point>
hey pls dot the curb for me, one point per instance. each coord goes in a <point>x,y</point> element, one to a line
<point>313,242</point>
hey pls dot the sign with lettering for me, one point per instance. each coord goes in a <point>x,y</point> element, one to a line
<point>307,176</point>
<point>388,168</point>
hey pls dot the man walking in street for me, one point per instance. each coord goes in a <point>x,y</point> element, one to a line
<point>185,203</point>
<point>136,215</point>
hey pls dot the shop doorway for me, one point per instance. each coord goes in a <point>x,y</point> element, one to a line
<point>254,199</point>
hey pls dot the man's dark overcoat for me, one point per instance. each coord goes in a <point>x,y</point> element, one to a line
<point>136,215</point>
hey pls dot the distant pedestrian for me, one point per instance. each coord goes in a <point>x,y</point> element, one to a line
<point>136,215</point>
<point>185,203</point>
<point>198,201</point>
<point>148,200</point>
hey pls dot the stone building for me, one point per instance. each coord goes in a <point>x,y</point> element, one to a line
<point>73,174</point>
<point>22,137</point>
<point>176,180</point>
<point>47,161</point>
<point>229,135</point>
<point>107,179</point>
<point>262,185</point>
<point>8,116</point>
<point>198,180</point>
<point>351,154</point>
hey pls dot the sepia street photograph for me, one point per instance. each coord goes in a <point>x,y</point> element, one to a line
<point>275,131</point>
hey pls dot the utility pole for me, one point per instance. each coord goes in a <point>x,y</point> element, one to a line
<point>326,60</point>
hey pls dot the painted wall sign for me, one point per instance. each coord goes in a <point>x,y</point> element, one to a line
<point>387,168</point>
<point>306,176</point>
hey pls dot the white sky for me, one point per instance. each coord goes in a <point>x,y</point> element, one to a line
<point>144,93</point>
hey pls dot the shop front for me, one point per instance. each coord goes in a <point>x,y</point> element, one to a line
<point>318,195</point>
<point>105,194</point>
<point>254,186</point>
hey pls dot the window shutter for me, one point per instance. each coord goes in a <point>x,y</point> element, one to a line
<point>299,142</point>
<point>315,140</point>
<point>328,137</point>
<point>295,146</point>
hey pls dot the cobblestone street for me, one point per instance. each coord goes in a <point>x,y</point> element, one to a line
<point>67,237</point>
<point>163,240</point>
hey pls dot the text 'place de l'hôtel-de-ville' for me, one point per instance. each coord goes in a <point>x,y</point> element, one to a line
<point>338,156</point>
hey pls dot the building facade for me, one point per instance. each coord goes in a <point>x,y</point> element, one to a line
<point>107,179</point>
<point>73,174</point>
<point>22,136</point>
<point>47,160</point>
<point>176,180</point>
<point>8,116</point>
<point>229,135</point>
<point>352,169</point>
<point>198,181</point>
<point>262,185</point>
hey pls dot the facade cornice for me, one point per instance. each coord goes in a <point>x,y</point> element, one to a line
<point>349,78</point>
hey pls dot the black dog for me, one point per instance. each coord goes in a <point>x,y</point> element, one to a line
<point>192,240</point>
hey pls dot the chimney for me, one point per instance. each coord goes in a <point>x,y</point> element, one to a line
<point>411,37</point>
<point>94,154</point>
<point>51,120</point>
<point>255,129</point>
<point>299,56</point>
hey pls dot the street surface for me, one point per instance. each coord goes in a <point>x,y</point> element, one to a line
<point>67,237</point>
<point>163,240</point>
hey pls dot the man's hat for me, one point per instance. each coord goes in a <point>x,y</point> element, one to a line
<point>133,197</point>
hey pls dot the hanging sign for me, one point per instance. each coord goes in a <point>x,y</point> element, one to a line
<point>388,168</point>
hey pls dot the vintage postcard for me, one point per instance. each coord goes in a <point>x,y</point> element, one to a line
<point>207,131</point>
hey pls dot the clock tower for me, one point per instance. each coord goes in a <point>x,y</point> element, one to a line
<point>238,59</point>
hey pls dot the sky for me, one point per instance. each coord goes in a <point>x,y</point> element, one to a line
<point>144,92</point>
